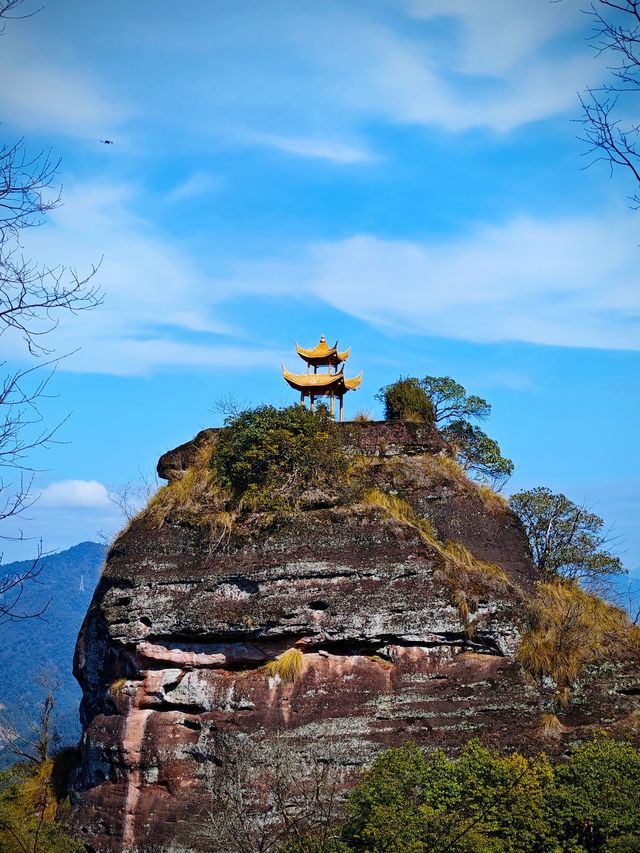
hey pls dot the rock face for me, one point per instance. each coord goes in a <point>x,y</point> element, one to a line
<point>397,643</point>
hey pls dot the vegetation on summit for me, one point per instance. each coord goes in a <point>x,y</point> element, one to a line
<point>269,456</point>
<point>406,400</point>
<point>442,401</point>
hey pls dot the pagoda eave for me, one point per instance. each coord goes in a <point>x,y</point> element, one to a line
<point>321,384</point>
<point>322,354</point>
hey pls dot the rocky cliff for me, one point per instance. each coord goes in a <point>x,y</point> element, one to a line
<point>403,604</point>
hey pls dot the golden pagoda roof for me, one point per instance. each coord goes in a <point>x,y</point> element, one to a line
<point>321,383</point>
<point>322,353</point>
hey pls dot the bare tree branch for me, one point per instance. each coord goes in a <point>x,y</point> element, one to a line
<point>608,132</point>
<point>33,297</point>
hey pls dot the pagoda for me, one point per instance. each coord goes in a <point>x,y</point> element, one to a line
<point>331,384</point>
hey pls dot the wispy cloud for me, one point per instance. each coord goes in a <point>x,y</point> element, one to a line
<point>564,282</point>
<point>317,149</point>
<point>41,94</point>
<point>160,307</point>
<point>569,282</point>
<point>196,185</point>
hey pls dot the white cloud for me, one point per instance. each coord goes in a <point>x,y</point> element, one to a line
<point>318,149</point>
<point>76,493</point>
<point>196,185</point>
<point>496,36</point>
<point>38,93</point>
<point>497,74</point>
<point>496,65</point>
<point>160,308</point>
<point>570,282</point>
<point>566,282</point>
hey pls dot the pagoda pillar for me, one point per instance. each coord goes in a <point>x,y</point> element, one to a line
<point>302,398</point>
<point>313,402</point>
<point>331,406</point>
<point>341,408</point>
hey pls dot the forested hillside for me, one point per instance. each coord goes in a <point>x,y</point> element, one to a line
<point>29,647</point>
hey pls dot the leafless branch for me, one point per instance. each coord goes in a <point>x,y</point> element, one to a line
<point>608,133</point>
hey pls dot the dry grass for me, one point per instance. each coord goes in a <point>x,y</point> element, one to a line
<point>195,497</point>
<point>462,557</point>
<point>568,627</point>
<point>466,576</point>
<point>362,416</point>
<point>381,662</point>
<point>550,726</point>
<point>117,685</point>
<point>402,511</point>
<point>492,500</point>
<point>185,494</point>
<point>446,466</point>
<point>412,417</point>
<point>287,666</point>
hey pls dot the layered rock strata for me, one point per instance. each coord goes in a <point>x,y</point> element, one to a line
<point>398,641</point>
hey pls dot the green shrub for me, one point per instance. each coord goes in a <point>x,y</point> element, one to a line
<point>478,802</point>
<point>596,803</point>
<point>485,802</point>
<point>267,456</point>
<point>406,400</point>
<point>28,802</point>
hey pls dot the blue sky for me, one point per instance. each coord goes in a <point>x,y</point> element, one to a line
<point>403,175</point>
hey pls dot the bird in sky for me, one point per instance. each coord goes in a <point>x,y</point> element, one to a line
<point>107,141</point>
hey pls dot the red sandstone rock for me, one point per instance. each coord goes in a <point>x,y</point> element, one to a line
<point>171,653</point>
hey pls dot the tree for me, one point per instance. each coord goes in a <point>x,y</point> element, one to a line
<point>33,788</point>
<point>30,738</point>
<point>406,400</point>
<point>566,540</point>
<point>487,802</point>
<point>443,401</point>
<point>478,454</point>
<point>609,127</point>
<point>32,298</point>
<point>451,402</point>
<point>453,411</point>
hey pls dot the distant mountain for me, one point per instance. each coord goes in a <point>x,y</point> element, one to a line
<point>67,582</point>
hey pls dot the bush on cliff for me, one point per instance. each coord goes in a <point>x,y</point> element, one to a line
<point>268,457</point>
<point>405,400</point>
<point>484,802</point>
<point>29,799</point>
<point>442,401</point>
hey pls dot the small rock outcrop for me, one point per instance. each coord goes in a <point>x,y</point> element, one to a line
<point>405,604</point>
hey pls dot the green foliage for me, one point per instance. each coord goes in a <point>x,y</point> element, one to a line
<point>269,456</point>
<point>443,401</point>
<point>478,454</point>
<point>406,400</point>
<point>566,539</point>
<point>479,802</point>
<point>483,801</point>
<point>28,802</point>
<point>597,802</point>
<point>451,402</point>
